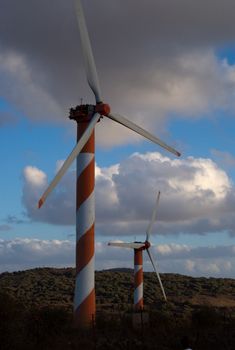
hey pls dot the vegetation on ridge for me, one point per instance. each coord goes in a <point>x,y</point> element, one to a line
<point>36,311</point>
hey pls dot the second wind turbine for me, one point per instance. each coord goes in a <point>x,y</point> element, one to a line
<point>139,247</point>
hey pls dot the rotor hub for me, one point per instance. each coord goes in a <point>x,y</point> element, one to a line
<point>147,245</point>
<point>102,109</point>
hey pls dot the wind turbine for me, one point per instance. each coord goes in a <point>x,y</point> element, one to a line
<point>86,117</point>
<point>138,261</point>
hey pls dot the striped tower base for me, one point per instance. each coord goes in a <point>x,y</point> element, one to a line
<point>84,298</point>
<point>138,280</point>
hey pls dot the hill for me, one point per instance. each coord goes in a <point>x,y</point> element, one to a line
<point>55,287</point>
<point>36,312</point>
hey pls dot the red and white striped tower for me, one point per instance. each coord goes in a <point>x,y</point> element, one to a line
<point>87,116</point>
<point>138,279</point>
<point>84,297</point>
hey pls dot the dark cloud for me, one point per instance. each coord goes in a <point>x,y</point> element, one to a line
<point>151,56</point>
<point>46,30</point>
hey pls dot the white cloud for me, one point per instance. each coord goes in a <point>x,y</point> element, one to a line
<point>22,253</point>
<point>35,177</point>
<point>189,265</point>
<point>217,267</point>
<point>25,253</point>
<point>206,175</point>
<point>197,196</point>
<point>168,249</point>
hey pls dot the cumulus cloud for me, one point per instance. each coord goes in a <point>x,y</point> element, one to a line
<point>216,261</point>
<point>61,209</point>
<point>170,67</point>
<point>35,177</point>
<point>197,196</point>
<point>216,268</point>
<point>25,253</point>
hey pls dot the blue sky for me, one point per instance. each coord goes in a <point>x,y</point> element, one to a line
<point>181,88</point>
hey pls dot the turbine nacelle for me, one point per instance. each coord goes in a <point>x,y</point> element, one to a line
<point>82,112</point>
<point>146,245</point>
<point>85,112</point>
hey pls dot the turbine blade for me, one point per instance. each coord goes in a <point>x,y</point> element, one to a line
<point>91,73</point>
<point>158,276</point>
<point>124,121</point>
<point>77,149</point>
<point>127,245</point>
<point>154,214</point>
